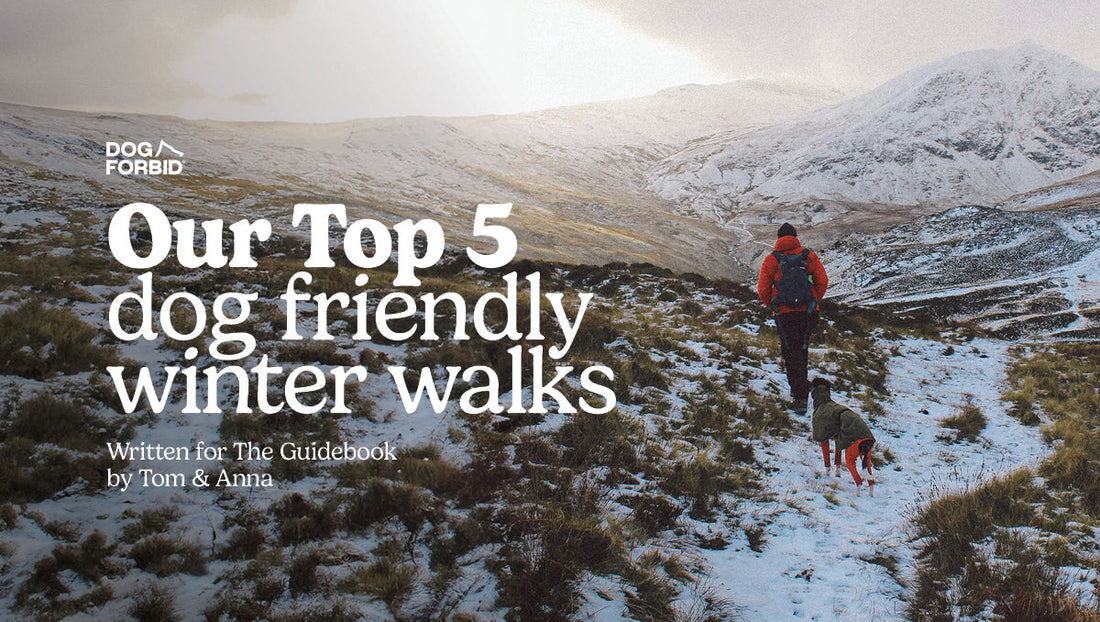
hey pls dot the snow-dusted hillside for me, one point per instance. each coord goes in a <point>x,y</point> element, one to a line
<point>678,115</point>
<point>975,128</point>
<point>574,174</point>
<point>684,178</point>
<point>698,497</point>
<point>835,553</point>
<point>1033,273</point>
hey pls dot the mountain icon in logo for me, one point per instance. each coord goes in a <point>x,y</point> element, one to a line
<point>163,145</point>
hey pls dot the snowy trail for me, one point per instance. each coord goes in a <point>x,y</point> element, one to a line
<point>820,531</point>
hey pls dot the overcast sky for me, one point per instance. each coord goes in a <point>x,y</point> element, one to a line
<point>327,60</point>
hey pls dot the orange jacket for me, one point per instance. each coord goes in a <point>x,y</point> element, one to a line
<point>769,273</point>
<point>851,457</point>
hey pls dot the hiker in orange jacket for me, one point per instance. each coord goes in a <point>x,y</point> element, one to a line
<point>794,321</point>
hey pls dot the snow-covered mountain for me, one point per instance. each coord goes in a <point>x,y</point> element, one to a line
<point>575,174</point>
<point>678,115</point>
<point>1017,273</point>
<point>613,181</point>
<point>975,128</point>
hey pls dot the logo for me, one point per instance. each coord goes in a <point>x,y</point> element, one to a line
<point>130,158</point>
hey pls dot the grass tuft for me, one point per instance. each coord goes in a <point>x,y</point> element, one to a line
<point>968,423</point>
<point>36,341</point>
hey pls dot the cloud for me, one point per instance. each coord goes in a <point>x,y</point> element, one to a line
<point>118,55</point>
<point>249,99</point>
<point>325,60</point>
<point>342,59</point>
<point>855,45</point>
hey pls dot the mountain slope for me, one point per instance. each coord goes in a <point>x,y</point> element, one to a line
<point>574,174</point>
<point>973,128</point>
<point>1018,273</point>
<point>833,552</point>
<point>697,496</point>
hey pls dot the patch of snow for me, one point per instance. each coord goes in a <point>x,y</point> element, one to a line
<point>821,529</point>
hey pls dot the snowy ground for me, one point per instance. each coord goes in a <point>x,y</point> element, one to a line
<point>822,530</point>
<point>818,533</point>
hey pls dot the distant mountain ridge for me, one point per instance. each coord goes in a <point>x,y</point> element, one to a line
<point>975,128</point>
<point>575,174</point>
<point>694,178</point>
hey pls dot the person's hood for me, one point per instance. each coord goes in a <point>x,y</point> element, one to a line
<point>788,245</point>
<point>821,394</point>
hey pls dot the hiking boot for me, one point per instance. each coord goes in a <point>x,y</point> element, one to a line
<point>799,406</point>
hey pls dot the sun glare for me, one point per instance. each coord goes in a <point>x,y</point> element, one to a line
<point>332,61</point>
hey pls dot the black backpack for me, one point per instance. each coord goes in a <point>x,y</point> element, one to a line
<point>794,287</point>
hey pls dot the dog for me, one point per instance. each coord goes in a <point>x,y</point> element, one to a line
<point>852,436</point>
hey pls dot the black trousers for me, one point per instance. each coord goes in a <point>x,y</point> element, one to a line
<point>794,337</point>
